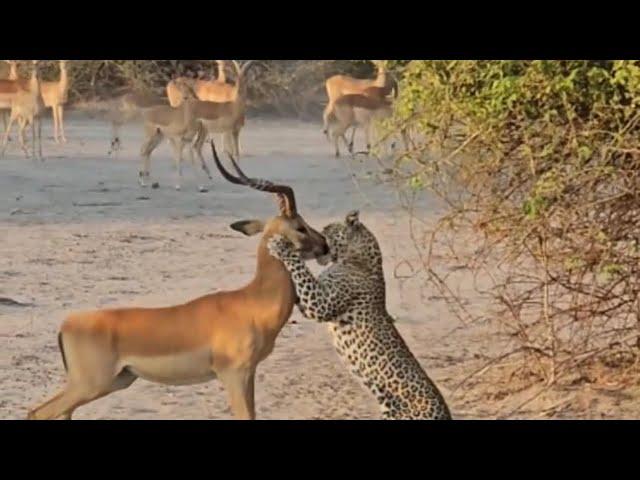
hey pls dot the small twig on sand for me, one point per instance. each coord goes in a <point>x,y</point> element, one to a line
<point>98,204</point>
<point>485,366</point>
<point>529,400</point>
<point>10,302</point>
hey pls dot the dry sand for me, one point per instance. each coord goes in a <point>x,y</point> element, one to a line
<point>76,234</point>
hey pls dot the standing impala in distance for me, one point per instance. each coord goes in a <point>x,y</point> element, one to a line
<point>127,107</point>
<point>180,126</point>
<point>340,85</point>
<point>361,110</point>
<point>26,109</point>
<point>5,100</point>
<point>224,117</point>
<point>55,96</point>
<point>223,335</point>
<point>216,90</point>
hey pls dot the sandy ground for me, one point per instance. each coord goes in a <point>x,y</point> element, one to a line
<point>77,232</point>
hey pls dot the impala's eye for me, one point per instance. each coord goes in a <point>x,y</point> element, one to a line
<point>301,230</point>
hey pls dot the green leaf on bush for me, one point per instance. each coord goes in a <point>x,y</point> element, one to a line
<point>416,183</point>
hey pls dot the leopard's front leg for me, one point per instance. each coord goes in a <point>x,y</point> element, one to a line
<point>316,301</point>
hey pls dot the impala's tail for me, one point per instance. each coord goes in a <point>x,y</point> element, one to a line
<point>61,346</point>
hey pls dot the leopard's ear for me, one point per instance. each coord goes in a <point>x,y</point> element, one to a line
<point>352,218</point>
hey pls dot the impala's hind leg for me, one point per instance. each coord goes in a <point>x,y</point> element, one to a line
<point>353,137</point>
<point>226,148</point>
<point>203,164</point>
<point>39,135</point>
<point>178,147</point>
<point>92,372</point>
<point>22,125</point>
<point>325,118</point>
<point>116,144</point>
<point>235,138</point>
<point>338,131</point>
<point>153,137</point>
<point>4,120</point>
<point>192,158</point>
<point>54,116</point>
<point>60,110</point>
<point>5,139</point>
<point>75,395</point>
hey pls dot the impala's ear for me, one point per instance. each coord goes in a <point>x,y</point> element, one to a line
<point>248,227</point>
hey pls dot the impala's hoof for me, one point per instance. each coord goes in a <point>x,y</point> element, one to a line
<point>155,185</point>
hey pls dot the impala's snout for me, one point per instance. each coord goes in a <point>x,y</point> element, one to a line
<point>313,245</point>
<point>325,258</point>
<point>321,247</point>
<point>325,248</point>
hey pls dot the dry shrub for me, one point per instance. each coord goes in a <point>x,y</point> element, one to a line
<point>538,165</point>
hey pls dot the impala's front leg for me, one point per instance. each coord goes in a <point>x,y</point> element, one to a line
<point>152,140</point>
<point>5,139</point>
<point>353,137</point>
<point>316,301</point>
<point>178,146</point>
<point>61,124</point>
<point>203,164</point>
<point>240,389</point>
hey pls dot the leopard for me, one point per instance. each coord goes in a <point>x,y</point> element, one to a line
<point>349,296</point>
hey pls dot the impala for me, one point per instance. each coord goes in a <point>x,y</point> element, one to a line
<point>224,117</point>
<point>223,335</point>
<point>55,95</point>
<point>26,108</point>
<point>124,108</point>
<point>340,85</point>
<point>5,100</point>
<point>358,110</point>
<point>180,126</point>
<point>217,90</point>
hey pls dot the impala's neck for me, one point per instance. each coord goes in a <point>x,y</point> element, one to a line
<point>13,71</point>
<point>64,78</point>
<point>238,90</point>
<point>381,79</point>
<point>272,283</point>
<point>34,84</point>
<point>222,76</point>
<point>188,107</point>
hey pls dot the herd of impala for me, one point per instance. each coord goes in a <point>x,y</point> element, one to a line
<point>192,110</point>
<point>223,335</point>
<point>26,99</point>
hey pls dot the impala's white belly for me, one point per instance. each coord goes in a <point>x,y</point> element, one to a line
<point>5,101</point>
<point>184,368</point>
<point>221,125</point>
